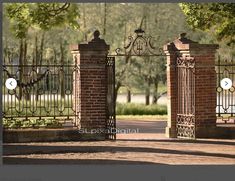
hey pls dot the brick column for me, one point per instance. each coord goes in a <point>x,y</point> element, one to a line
<point>92,85</point>
<point>205,89</point>
<point>205,84</point>
<point>171,53</point>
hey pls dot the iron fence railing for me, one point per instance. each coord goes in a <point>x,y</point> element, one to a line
<point>225,107</point>
<point>43,97</point>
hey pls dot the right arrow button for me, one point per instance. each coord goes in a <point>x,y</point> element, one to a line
<point>226,83</point>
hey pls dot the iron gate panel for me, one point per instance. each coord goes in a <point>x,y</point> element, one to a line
<point>43,97</point>
<point>185,121</point>
<point>225,107</point>
<point>111,105</point>
<point>139,45</point>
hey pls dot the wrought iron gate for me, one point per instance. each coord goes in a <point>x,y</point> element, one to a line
<point>185,121</point>
<point>225,107</point>
<point>138,46</point>
<point>111,106</point>
<point>43,97</point>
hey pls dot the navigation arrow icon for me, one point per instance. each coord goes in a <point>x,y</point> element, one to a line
<point>11,83</point>
<point>226,83</point>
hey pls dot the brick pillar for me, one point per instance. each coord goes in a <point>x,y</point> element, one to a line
<point>171,53</point>
<point>91,82</point>
<point>205,84</point>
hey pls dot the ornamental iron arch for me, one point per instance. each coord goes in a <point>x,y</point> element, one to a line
<point>139,44</point>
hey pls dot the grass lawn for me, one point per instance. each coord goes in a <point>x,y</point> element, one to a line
<point>142,117</point>
<point>123,90</point>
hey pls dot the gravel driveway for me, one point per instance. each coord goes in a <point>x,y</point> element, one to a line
<point>149,146</point>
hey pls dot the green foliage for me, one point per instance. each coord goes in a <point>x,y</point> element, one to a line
<point>31,123</point>
<point>216,16</point>
<point>48,15</point>
<point>20,16</point>
<point>140,109</point>
<point>42,15</point>
<point>155,69</point>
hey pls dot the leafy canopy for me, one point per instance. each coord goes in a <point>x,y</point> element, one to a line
<point>42,15</point>
<point>212,16</point>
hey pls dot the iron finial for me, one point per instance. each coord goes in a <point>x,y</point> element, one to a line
<point>96,34</point>
<point>182,35</point>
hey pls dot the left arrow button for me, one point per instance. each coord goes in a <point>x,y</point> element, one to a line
<point>11,83</point>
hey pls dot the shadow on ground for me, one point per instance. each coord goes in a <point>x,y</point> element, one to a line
<point>15,160</point>
<point>41,149</point>
<point>196,141</point>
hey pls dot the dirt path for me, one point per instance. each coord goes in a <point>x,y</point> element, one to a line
<point>147,147</point>
<point>144,126</point>
<point>123,152</point>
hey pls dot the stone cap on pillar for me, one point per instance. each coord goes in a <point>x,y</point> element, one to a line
<point>96,44</point>
<point>185,44</point>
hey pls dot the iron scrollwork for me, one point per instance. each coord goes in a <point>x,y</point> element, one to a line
<point>225,106</point>
<point>185,121</point>
<point>42,99</point>
<point>187,62</point>
<point>185,126</point>
<point>30,82</point>
<point>139,45</point>
<point>111,113</point>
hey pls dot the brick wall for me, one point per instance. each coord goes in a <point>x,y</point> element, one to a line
<point>205,90</point>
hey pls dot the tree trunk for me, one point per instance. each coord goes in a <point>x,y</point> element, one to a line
<point>147,93</point>
<point>6,52</point>
<point>36,62</point>
<point>21,69</point>
<point>62,92</point>
<point>117,87</point>
<point>55,56</point>
<point>41,52</point>
<point>147,97</point>
<point>36,53</point>
<point>128,98</point>
<point>155,93</point>
<point>84,23</point>
<point>26,72</point>
<point>105,19</point>
<point>39,59</point>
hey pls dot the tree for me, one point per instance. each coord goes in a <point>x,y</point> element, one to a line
<point>216,16</point>
<point>38,16</point>
<point>43,15</point>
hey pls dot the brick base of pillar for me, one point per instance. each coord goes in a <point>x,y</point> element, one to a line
<point>170,132</point>
<point>216,132</point>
